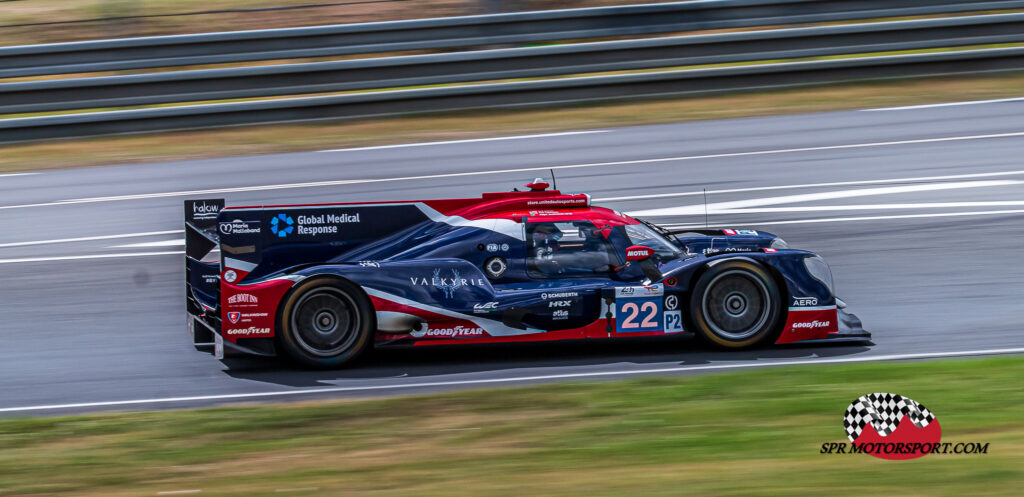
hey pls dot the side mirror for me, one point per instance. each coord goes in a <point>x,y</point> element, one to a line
<point>638,253</point>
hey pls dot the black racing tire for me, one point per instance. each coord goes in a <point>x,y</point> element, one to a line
<point>326,323</point>
<point>736,305</point>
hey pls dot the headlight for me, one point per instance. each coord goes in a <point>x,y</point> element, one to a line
<point>820,271</point>
<point>779,244</point>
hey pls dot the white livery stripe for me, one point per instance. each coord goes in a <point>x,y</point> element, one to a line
<point>815,308</point>
<point>492,327</point>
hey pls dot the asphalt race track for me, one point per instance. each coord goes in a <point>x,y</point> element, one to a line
<point>920,212</point>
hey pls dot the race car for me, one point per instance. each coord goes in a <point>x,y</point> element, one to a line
<point>325,282</point>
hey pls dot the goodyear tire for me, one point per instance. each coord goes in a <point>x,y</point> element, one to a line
<point>736,304</point>
<point>326,323</point>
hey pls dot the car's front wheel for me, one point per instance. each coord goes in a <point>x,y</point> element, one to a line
<point>326,323</point>
<point>736,304</point>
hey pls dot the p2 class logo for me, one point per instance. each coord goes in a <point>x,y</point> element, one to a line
<point>891,426</point>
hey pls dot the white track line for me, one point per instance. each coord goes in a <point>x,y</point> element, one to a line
<point>79,257</point>
<point>88,238</point>
<point>506,171</point>
<point>848,219</point>
<point>946,104</point>
<point>16,174</point>
<point>810,197</point>
<point>162,243</point>
<point>469,140</point>
<point>491,381</point>
<point>812,185</point>
<point>870,207</point>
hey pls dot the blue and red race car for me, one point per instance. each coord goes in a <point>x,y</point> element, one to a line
<point>325,282</point>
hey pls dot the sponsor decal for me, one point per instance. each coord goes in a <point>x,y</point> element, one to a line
<point>726,249</point>
<point>323,224</point>
<point>627,291</point>
<point>812,324</point>
<point>495,267</point>
<point>205,211</point>
<point>236,317</point>
<point>281,225</point>
<point>804,301</point>
<point>559,295</point>
<point>448,285</point>
<point>494,247</point>
<point>243,298</point>
<point>770,250</point>
<point>560,314</point>
<point>652,290</point>
<point>485,307</point>
<point>252,330</point>
<point>211,279</point>
<point>728,231</point>
<point>239,227</point>
<point>671,303</point>
<point>369,264</point>
<point>560,303</point>
<point>558,201</point>
<point>453,332</point>
<point>891,426</point>
<point>230,276</point>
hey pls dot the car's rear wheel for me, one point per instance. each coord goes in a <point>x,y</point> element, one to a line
<point>326,323</point>
<point>736,304</point>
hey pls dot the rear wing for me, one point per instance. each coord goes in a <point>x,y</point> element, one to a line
<point>202,275</point>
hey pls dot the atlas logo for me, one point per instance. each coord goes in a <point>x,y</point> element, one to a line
<point>560,314</point>
<point>282,225</point>
<point>891,426</point>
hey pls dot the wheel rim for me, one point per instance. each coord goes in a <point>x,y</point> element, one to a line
<point>736,305</point>
<point>325,322</point>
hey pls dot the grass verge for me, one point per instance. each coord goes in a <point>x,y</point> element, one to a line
<point>268,139</point>
<point>749,433</point>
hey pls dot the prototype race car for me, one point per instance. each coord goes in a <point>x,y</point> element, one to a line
<point>325,282</point>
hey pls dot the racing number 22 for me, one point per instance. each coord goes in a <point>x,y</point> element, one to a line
<point>633,309</point>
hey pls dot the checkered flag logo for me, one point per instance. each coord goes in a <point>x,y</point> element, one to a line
<point>884,411</point>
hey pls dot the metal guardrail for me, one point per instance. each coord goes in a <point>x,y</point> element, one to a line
<point>515,94</point>
<point>422,70</point>
<point>456,32</point>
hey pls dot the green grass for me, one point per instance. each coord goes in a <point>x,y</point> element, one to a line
<point>745,434</point>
